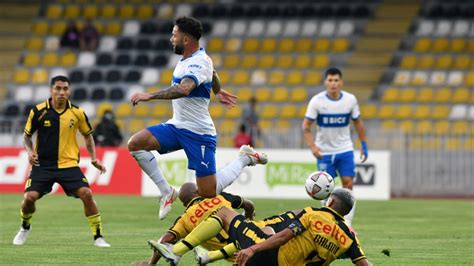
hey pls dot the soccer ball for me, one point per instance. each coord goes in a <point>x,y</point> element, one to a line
<point>319,185</point>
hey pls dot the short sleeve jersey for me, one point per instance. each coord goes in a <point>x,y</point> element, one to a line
<point>332,118</point>
<point>192,112</point>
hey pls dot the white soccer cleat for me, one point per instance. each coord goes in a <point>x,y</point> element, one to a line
<point>165,203</point>
<point>100,242</point>
<point>21,236</point>
<point>166,250</point>
<point>255,157</point>
<point>200,254</point>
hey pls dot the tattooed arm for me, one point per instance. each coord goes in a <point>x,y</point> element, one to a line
<point>174,92</point>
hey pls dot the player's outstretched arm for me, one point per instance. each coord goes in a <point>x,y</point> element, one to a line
<point>226,98</point>
<point>90,145</point>
<point>274,241</point>
<point>359,126</point>
<point>180,90</point>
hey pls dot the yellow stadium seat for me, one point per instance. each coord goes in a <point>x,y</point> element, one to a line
<point>289,111</point>
<point>441,128</point>
<point>266,61</point>
<point>145,11</point>
<point>422,112</point>
<point>250,45</point>
<point>68,59</point>
<point>422,45</point>
<point>265,124</point>
<point>284,61</point>
<point>216,110</point>
<point>90,11</point>
<point>407,126</point>
<point>388,125</point>
<point>419,78</point>
<point>21,76</point>
<point>321,61</point>
<point>34,44</point>
<point>234,113</point>
<point>241,77</point>
<point>460,128</point>
<point>322,45</point>
<point>408,62</point>
<point>40,28</point>
<point>282,124</point>
<point>244,94</point>
<point>303,45</point>
<point>424,127</point>
<point>425,95</point>
<point>368,111</point>
<point>123,110</point>
<point>302,111</point>
<point>269,111</point>
<point>154,121</point>
<point>440,112</point>
<point>228,125</point>
<point>54,11</point>
<point>126,11</point>
<point>453,144</point>
<point>224,76</point>
<point>470,46</point>
<point>232,61</point>
<point>469,144</point>
<point>469,79</point>
<point>407,95</point>
<point>99,26</point>
<point>312,78</point>
<point>302,61</point>
<point>215,45</point>
<point>463,62</point>
<point>263,94</point>
<point>461,95</point>
<point>50,59</point>
<point>108,11</point>
<point>233,45</point>
<point>391,95</point>
<point>299,95</point>
<point>72,11</point>
<point>268,45</point>
<point>457,45</point>
<point>444,62</point>
<point>217,60</point>
<point>280,94</point>
<point>286,45</point>
<point>102,107</point>
<point>136,125</point>
<point>440,45</point>
<point>248,61</point>
<point>141,110</point>
<point>340,45</point>
<point>162,110</point>
<point>404,111</point>
<point>425,62</point>
<point>58,28</point>
<point>276,77</point>
<point>167,75</point>
<point>386,112</point>
<point>294,78</point>
<point>442,95</point>
<point>113,28</point>
<point>31,60</point>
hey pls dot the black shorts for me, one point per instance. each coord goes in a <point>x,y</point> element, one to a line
<point>42,180</point>
<point>281,221</point>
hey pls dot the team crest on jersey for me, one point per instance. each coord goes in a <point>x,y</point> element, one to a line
<point>71,123</point>
<point>47,123</point>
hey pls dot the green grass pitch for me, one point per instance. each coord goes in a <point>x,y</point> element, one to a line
<point>417,232</point>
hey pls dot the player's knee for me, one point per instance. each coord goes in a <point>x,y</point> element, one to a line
<point>347,182</point>
<point>85,194</point>
<point>133,144</point>
<point>30,198</point>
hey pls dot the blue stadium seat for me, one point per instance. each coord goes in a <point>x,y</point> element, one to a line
<point>116,94</point>
<point>113,76</point>
<point>98,94</point>
<point>79,94</point>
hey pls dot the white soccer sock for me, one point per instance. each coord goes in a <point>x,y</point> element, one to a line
<point>350,215</point>
<point>146,160</point>
<point>227,175</point>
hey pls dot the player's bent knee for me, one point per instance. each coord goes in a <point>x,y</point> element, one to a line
<point>143,140</point>
<point>31,197</point>
<point>84,193</point>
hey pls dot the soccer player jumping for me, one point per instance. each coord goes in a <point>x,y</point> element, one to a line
<point>191,127</point>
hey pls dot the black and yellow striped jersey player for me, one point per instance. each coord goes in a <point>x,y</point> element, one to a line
<point>315,237</point>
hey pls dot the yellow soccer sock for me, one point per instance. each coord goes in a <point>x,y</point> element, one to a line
<point>95,223</point>
<point>25,219</point>
<point>203,232</point>
<point>226,252</point>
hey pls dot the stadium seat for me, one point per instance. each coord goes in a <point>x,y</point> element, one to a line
<point>23,94</point>
<point>131,28</point>
<point>425,62</point>
<point>388,125</point>
<point>141,110</point>
<point>276,77</point>
<point>340,45</point>
<point>166,76</point>
<point>221,28</point>
<point>107,43</point>
<point>76,76</point>
<point>234,113</point>
<point>256,28</point>
<point>116,94</point>
<point>31,60</point>
<point>282,124</point>
<point>386,112</point>
<point>461,95</point>
<point>402,78</point>
<point>248,61</point>
<point>258,77</point>
<point>145,11</point>
<point>404,111</point>
<point>440,112</point>
<point>321,61</point>
<point>460,128</point>
<point>34,44</point>
<point>425,28</point>
<point>419,78</point>
<point>241,77</point>
<point>165,11</point>
<point>123,60</point>
<point>368,111</point>
<point>79,94</point>
<point>40,28</point>
<point>125,44</point>
<point>440,45</point>
<point>135,125</point>
<point>274,28</point>
<point>263,94</point>
<point>39,76</point>
<point>309,28</point>
<point>443,28</point>
<point>422,45</point>
<point>238,28</point>
<point>141,60</point>
<point>54,11</point>
<point>345,28</point>
<point>457,45</point>
<point>462,62</point>
<point>291,28</point>
<point>21,76</point>
<point>113,28</point>
<point>407,126</point>
<point>298,95</point>
<point>328,28</point>
<point>12,110</point>
<point>453,144</point>
<point>322,45</point>
<point>98,94</point>
<point>266,61</point>
<point>162,110</point>
<point>444,62</point>
<point>438,78</point>
<point>123,110</point>
<point>215,45</point>
<point>244,94</point>
<point>442,95</point>
<point>216,111</point>
<point>294,78</point>
<point>68,59</point>
<point>424,127</point>
<point>71,11</point>
<point>458,111</point>
<point>289,111</point>
<point>113,76</point>
<point>90,11</point>
<point>312,78</point>
<point>280,94</point>
<point>126,11</point>
<point>304,45</point>
<point>469,79</point>
<point>286,45</point>
<point>422,112</point>
<point>268,45</point>
<point>50,59</point>
<point>86,59</point>
<point>233,45</point>
<point>149,76</point>
<point>391,95</point>
<point>408,62</point>
<point>302,61</point>
<point>108,11</point>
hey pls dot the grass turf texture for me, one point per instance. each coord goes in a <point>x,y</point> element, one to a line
<point>416,232</point>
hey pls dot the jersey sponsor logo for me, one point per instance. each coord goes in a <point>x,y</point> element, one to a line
<point>195,66</point>
<point>333,120</point>
<point>332,230</point>
<point>47,123</point>
<point>203,207</point>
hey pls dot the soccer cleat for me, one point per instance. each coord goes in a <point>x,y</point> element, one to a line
<point>200,254</point>
<point>166,250</point>
<point>100,242</point>
<point>165,203</point>
<point>21,236</point>
<point>255,157</point>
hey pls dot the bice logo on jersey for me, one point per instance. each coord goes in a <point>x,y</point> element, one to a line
<point>333,120</point>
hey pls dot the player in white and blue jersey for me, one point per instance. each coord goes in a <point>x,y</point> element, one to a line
<point>191,127</point>
<point>332,111</point>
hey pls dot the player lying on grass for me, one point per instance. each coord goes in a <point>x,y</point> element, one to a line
<point>318,236</point>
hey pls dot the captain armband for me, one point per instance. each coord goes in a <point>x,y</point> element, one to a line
<point>296,227</point>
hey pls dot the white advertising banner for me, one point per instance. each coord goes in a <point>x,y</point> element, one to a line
<point>283,177</point>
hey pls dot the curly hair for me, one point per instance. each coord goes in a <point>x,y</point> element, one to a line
<point>189,26</point>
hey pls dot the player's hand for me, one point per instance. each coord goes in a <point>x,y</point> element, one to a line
<point>364,151</point>
<point>244,255</point>
<point>316,152</point>
<point>140,97</point>
<point>226,98</point>
<point>249,215</point>
<point>99,166</point>
<point>33,158</point>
